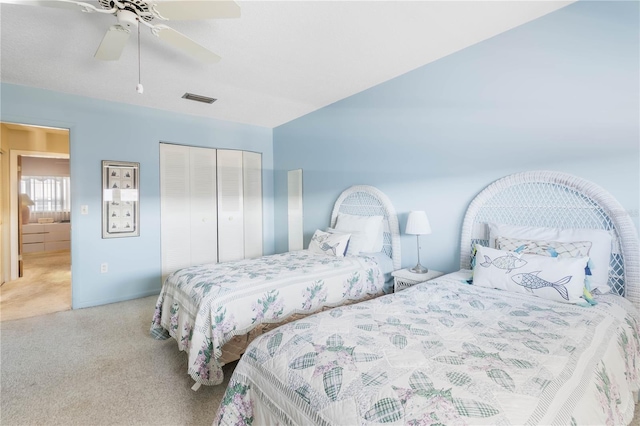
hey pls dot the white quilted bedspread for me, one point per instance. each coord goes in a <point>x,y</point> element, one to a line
<point>447,353</point>
<point>203,307</point>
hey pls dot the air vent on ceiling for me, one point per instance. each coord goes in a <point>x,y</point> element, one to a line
<point>199,98</point>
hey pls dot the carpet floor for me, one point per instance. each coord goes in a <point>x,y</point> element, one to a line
<point>99,366</point>
<point>44,288</point>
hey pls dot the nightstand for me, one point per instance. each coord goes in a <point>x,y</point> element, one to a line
<point>404,278</point>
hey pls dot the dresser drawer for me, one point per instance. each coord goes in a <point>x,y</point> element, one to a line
<point>57,227</point>
<point>32,238</point>
<point>32,228</point>
<point>57,236</point>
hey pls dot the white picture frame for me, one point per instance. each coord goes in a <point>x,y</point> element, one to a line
<point>120,199</point>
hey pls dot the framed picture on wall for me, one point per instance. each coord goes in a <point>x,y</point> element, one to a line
<point>120,199</point>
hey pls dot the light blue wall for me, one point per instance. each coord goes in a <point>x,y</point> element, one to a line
<point>559,93</point>
<point>112,131</point>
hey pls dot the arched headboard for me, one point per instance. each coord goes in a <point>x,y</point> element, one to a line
<point>557,200</point>
<point>365,200</point>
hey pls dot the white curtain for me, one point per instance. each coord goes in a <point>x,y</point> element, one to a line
<point>51,196</point>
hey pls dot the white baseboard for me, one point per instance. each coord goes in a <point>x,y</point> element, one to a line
<point>99,302</point>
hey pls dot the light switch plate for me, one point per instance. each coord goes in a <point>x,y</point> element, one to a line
<point>84,209</point>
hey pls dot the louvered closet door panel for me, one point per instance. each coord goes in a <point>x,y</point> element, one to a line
<point>230,207</point>
<point>174,206</point>
<point>204,226</point>
<point>252,199</point>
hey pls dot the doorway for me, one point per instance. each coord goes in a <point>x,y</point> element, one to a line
<point>36,221</point>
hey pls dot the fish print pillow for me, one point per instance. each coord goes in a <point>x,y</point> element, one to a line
<point>553,249</point>
<point>357,241</point>
<point>599,254</point>
<point>553,278</point>
<point>327,243</point>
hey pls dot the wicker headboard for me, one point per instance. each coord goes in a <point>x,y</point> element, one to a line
<point>557,200</point>
<point>364,200</point>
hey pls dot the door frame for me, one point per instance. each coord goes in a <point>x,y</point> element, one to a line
<point>2,219</point>
<point>13,201</point>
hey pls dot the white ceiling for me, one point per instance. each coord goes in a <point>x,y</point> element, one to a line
<point>280,60</point>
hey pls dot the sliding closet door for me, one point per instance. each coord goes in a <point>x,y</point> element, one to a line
<point>203,216</point>
<point>175,208</point>
<point>252,199</point>
<point>230,206</point>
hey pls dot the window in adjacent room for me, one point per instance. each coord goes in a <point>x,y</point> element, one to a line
<point>47,197</point>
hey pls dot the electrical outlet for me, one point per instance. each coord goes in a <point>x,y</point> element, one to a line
<point>104,268</point>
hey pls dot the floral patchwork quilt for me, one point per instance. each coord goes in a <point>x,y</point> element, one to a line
<point>443,353</point>
<point>203,307</point>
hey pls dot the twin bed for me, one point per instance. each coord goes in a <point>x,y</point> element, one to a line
<point>447,352</point>
<point>214,311</point>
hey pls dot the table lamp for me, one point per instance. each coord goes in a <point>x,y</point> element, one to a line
<point>25,203</point>
<point>418,224</point>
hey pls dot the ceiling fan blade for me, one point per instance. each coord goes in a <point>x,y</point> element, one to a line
<point>113,43</point>
<point>196,9</point>
<point>60,4</point>
<point>185,44</point>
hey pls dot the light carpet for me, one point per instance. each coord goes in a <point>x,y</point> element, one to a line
<point>99,366</point>
<point>44,288</point>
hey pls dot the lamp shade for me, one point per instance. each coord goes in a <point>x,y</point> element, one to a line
<point>418,223</point>
<point>25,200</point>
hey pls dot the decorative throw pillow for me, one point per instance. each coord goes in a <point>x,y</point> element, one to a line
<point>552,249</point>
<point>553,278</point>
<point>357,241</point>
<point>600,253</point>
<point>370,226</point>
<point>545,248</point>
<point>331,244</point>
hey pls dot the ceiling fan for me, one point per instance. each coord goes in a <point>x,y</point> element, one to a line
<point>131,13</point>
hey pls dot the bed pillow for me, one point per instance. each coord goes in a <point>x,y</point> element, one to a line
<point>600,253</point>
<point>545,248</point>
<point>553,278</point>
<point>553,249</point>
<point>379,238</point>
<point>370,226</point>
<point>331,244</point>
<point>357,241</point>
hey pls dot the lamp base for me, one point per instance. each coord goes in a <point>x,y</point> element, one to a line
<point>419,269</point>
<point>26,214</point>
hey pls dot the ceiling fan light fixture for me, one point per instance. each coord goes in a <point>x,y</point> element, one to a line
<point>131,13</point>
<point>198,98</point>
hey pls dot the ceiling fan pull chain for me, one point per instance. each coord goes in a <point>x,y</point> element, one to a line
<point>139,87</point>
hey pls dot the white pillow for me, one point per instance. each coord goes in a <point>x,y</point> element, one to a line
<point>553,278</point>
<point>370,226</point>
<point>331,244</point>
<point>600,253</point>
<point>357,241</point>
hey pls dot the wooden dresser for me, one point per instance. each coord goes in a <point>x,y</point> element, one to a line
<point>46,237</point>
